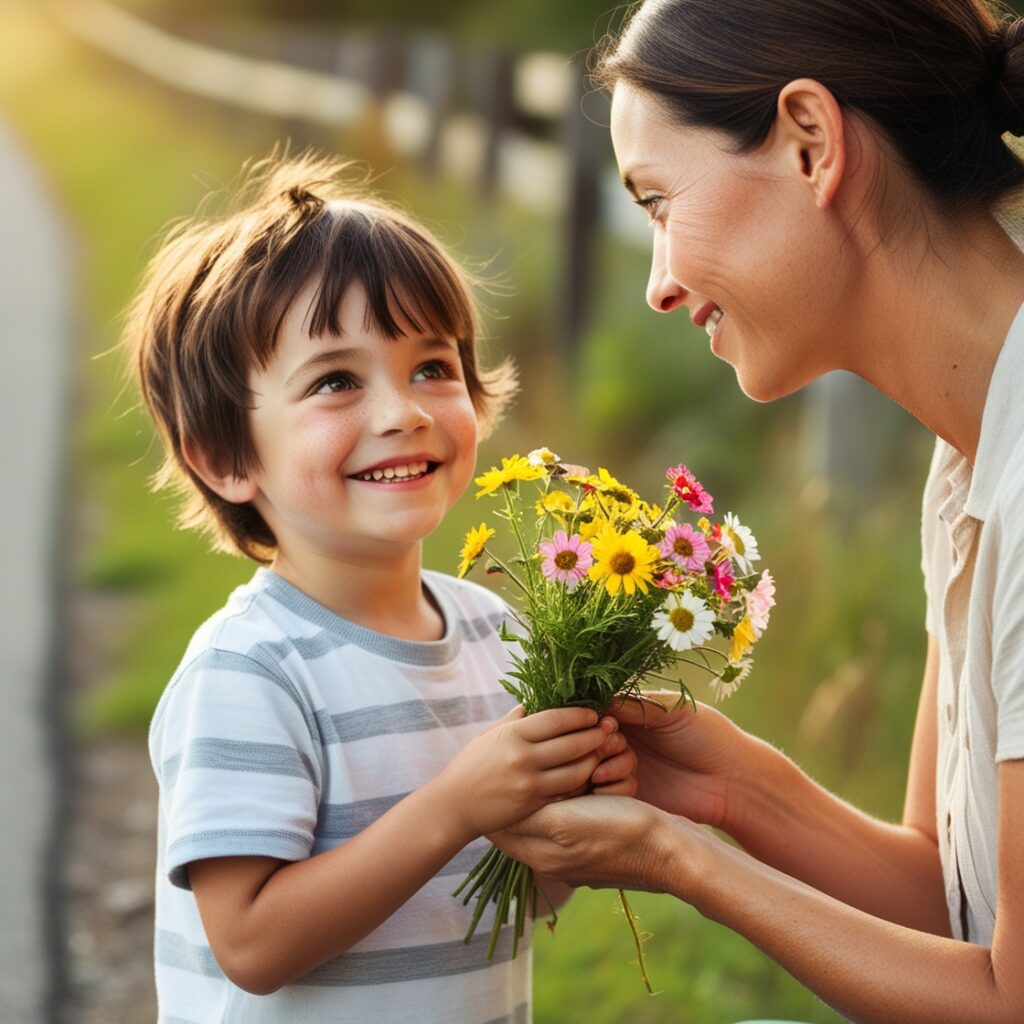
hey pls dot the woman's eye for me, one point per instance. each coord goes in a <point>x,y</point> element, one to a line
<point>650,205</point>
<point>436,369</point>
<point>334,382</point>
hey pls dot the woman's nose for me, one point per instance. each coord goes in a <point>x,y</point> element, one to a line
<point>664,292</point>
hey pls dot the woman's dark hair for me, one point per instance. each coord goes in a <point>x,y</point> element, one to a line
<point>942,79</point>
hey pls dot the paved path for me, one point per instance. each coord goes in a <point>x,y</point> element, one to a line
<point>35,333</point>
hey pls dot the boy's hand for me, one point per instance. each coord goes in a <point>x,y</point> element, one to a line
<point>522,763</point>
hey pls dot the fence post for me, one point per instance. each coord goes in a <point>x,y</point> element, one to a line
<point>498,109</point>
<point>431,67</point>
<point>582,215</point>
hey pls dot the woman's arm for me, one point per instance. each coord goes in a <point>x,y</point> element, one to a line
<point>702,766</point>
<point>869,969</point>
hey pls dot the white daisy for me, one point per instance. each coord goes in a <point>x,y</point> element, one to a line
<point>542,457</point>
<point>683,620</point>
<point>740,543</point>
<point>729,681</point>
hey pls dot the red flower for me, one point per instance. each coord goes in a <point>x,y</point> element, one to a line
<point>687,487</point>
<point>722,578</point>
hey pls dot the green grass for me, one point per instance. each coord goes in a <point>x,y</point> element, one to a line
<point>837,675</point>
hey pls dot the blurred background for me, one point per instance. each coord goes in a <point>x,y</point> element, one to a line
<point>116,118</point>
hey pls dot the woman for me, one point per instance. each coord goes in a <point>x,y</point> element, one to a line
<point>820,177</point>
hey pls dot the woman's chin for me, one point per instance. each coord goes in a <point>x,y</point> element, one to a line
<point>767,384</point>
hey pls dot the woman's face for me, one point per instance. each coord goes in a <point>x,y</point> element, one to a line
<point>739,240</point>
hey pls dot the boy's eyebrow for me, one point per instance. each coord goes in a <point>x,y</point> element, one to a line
<point>334,355</point>
<point>331,355</point>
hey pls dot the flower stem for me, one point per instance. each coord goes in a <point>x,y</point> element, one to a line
<point>634,927</point>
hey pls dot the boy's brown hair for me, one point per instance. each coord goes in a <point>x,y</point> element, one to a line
<point>213,298</point>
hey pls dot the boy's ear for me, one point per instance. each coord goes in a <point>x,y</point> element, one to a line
<point>237,490</point>
<point>813,128</point>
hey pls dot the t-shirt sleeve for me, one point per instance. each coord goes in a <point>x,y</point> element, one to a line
<point>239,772</point>
<point>1008,646</point>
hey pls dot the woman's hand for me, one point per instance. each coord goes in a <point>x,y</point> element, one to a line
<point>687,762</point>
<point>601,841</point>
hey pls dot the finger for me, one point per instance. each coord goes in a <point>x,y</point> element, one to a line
<point>545,724</point>
<point>624,787</point>
<point>655,706</point>
<point>513,715</point>
<point>565,778</point>
<point>570,747</point>
<point>615,744</point>
<point>614,769</point>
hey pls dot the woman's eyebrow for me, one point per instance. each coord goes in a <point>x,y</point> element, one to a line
<point>630,186</point>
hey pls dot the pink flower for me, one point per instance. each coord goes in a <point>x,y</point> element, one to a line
<point>721,577</point>
<point>687,486</point>
<point>669,580</point>
<point>760,601</point>
<point>685,546</point>
<point>565,559</point>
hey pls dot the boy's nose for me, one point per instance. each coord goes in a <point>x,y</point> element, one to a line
<point>400,414</point>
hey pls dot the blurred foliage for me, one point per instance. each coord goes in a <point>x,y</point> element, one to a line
<point>837,674</point>
<point>568,25</point>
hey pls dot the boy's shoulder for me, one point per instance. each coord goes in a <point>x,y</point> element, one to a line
<point>251,616</point>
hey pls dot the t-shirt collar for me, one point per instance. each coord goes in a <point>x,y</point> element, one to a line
<point>1002,422</point>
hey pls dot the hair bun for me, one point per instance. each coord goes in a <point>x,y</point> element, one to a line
<point>1007,77</point>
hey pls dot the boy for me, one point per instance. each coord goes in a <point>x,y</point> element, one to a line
<point>325,780</point>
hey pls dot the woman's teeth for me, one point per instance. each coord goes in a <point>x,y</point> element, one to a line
<point>395,474</point>
<point>712,322</point>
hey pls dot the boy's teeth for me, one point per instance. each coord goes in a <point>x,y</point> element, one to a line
<point>712,321</point>
<point>407,472</point>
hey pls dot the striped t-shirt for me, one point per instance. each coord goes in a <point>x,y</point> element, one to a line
<point>285,731</point>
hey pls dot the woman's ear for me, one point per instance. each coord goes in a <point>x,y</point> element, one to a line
<point>811,126</point>
<point>234,489</point>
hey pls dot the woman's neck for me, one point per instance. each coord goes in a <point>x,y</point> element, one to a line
<point>945,306</point>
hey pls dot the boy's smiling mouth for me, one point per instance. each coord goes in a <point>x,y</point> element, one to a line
<point>397,472</point>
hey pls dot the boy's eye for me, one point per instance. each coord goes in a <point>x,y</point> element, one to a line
<point>436,369</point>
<point>332,383</point>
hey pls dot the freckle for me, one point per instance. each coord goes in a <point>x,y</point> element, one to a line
<point>954,366</point>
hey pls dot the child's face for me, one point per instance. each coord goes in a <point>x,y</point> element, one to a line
<point>364,443</point>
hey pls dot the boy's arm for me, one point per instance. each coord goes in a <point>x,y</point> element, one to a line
<point>269,922</point>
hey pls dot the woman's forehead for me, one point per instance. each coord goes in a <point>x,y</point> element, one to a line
<point>640,127</point>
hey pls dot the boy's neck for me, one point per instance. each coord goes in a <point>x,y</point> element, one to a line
<point>385,596</point>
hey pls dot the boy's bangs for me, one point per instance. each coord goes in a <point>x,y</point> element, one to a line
<point>411,286</point>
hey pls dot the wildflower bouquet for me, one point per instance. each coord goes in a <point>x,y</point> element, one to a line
<point>612,590</point>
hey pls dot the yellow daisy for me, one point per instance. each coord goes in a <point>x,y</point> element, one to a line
<point>742,640</point>
<point>515,468</point>
<point>476,541</point>
<point>589,530</point>
<point>623,561</point>
<point>607,484</point>
<point>557,504</point>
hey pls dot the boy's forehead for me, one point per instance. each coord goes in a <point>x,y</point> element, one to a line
<point>354,315</point>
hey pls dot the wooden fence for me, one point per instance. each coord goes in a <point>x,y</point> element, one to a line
<point>510,126</point>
